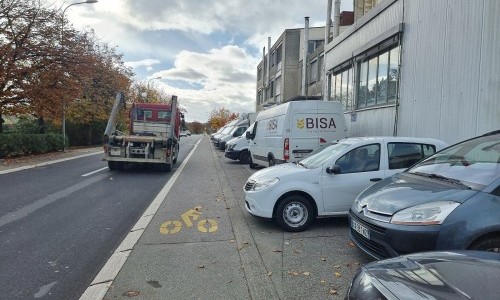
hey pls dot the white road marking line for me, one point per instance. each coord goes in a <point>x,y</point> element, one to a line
<point>47,163</point>
<point>93,172</point>
<point>100,285</point>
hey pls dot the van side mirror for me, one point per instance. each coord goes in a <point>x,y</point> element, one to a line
<point>335,169</point>
<point>248,135</point>
<point>235,134</point>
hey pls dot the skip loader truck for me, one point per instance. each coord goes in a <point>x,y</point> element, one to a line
<point>153,136</point>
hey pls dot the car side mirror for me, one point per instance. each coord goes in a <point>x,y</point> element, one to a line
<point>248,135</point>
<point>235,134</point>
<point>335,169</point>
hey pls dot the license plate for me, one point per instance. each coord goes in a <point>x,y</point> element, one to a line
<point>115,151</point>
<point>360,229</point>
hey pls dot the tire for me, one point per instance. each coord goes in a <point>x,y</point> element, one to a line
<point>250,162</point>
<point>244,156</point>
<point>295,213</point>
<point>488,243</point>
<point>176,154</point>
<point>112,165</point>
<point>270,160</point>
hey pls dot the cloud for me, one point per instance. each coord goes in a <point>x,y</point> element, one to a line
<point>147,63</point>
<point>226,76</point>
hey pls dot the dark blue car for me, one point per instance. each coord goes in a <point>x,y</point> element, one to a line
<point>449,201</point>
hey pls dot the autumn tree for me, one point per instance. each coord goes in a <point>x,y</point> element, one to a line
<point>196,127</point>
<point>47,69</point>
<point>220,117</point>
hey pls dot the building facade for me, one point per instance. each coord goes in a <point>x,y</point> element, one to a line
<point>419,68</point>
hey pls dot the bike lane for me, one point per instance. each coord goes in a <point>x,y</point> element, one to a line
<point>197,245</point>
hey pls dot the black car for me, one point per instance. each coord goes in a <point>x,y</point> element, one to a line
<point>449,201</point>
<point>430,275</point>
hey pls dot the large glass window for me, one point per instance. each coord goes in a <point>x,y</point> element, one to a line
<point>392,81</point>
<point>378,76</point>
<point>341,88</point>
<point>363,84</point>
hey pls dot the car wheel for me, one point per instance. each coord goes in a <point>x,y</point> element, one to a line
<point>295,213</point>
<point>250,162</point>
<point>244,156</point>
<point>489,243</point>
<point>270,160</point>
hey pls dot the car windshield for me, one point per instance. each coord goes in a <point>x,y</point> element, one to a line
<point>322,155</point>
<point>476,162</point>
<point>227,130</point>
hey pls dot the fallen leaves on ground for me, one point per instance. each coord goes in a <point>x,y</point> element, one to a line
<point>278,251</point>
<point>351,244</point>
<point>323,258</point>
<point>201,266</point>
<point>270,273</point>
<point>336,267</point>
<point>306,273</point>
<point>337,274</point>
<point>197,208</point>
<point>131,294</point>
<point>333,292</point>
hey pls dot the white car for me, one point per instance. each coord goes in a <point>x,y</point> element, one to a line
<point>327,182</point>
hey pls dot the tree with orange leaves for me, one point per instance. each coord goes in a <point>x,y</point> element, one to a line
<point>220,117</point>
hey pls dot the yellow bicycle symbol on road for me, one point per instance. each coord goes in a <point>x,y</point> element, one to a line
<point>175,226</point>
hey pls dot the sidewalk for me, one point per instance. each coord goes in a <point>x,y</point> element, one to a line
<point>197,245</point>
<point>46,158</point>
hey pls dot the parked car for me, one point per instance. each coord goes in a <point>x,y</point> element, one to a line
<point>237,148</point>
<point>188,132</point>
<point>327,182</point>
<point>183,133</point>
<point>450,201</point>
<point>429,275</point>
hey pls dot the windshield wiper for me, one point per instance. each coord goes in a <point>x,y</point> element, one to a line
<point>441,177</point>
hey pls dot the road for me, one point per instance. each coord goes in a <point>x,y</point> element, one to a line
<point>60,223</point>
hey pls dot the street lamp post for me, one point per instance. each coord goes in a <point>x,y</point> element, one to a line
<point>62,55</point>
<point>147,86</point>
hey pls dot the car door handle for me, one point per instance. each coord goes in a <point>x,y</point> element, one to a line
<point>375,179</point>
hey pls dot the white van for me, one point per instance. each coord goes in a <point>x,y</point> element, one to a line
<point>237,148</point>
<point>289,131</point>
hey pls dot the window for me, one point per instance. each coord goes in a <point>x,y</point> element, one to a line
<point>378,77</point>
<point>162,114</point>
<point>271,89</point>
<point>314,71</point>
<point>362,159</point>
<point>144,112</point>
<point>321,63</point>
<point>341,88</point>
<point>259,73</point>
<point>313,45</point>
<point>278,54</point>
<point>405,155</point>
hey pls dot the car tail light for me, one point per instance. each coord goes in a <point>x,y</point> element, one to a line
<point>322,140</point>
<point>286,150</point>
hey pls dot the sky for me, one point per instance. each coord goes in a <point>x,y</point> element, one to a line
<point>205,51</point>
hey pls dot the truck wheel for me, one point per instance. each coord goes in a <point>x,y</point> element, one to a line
<point>176,154</point>
<point>244,156</point>
<point>112,165</point>
<point>295,213</point>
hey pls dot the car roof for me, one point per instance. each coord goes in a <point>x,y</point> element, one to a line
<point>364,139</point>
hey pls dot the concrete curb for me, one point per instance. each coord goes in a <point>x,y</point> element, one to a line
<point>104,279</point>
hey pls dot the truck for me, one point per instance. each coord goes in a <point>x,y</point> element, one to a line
<point>152,138</point>
<point>290,131</point>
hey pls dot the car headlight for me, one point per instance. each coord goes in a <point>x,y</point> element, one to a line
<point>432,213</point>
<point>230,146</point>
<point>262,185</point>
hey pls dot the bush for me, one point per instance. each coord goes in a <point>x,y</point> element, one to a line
<point>15,144</point>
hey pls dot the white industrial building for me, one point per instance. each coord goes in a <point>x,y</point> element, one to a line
<point>419,68</point>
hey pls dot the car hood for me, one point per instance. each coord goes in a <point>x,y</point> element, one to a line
<point>279,171</point>
<point>405,190</point>
<point>439,275</point>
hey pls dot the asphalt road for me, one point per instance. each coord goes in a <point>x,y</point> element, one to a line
<point>60,223</point>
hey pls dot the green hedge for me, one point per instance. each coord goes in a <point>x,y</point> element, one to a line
<point>15,144</point>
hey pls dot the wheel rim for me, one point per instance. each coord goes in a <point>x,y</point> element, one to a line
<point>295,214</point>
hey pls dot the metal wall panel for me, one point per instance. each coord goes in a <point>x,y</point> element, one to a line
<point>373,122</point>
<point>387,19</point>
<point>489,72</point>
